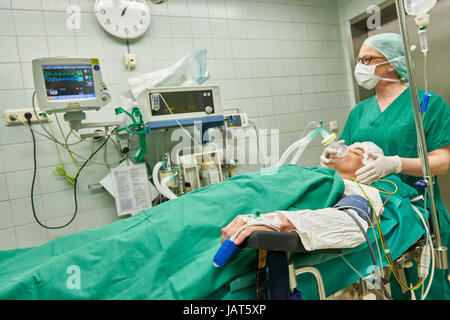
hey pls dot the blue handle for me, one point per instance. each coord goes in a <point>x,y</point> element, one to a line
<point>426,100</point>
<point>422,185</point>
<point>224,253</point>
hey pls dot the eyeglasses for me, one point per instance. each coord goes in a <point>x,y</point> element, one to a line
<point>368,59</point>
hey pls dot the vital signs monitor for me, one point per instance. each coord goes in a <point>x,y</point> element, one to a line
<point>69,84</point>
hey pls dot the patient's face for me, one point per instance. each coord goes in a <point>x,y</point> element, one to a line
<point>348,165</point>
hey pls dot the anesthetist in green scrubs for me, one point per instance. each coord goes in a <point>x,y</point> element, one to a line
<point>387,119</point>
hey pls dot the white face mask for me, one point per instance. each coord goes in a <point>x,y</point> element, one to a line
<point>365,75</point>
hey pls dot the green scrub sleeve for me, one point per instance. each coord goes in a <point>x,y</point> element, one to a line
<point>437,124</point>
<point>346,132</point>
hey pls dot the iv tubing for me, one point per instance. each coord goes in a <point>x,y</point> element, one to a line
<point>441,251</point>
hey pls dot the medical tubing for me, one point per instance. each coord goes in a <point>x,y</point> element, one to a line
<point>288,152</point>
<point>307,140</point>
<point>299,153</point>
<point>385,191</point>
<point>70,144</point>
<point>432,252</point>
<point>298,144</point>
<point>74,185</point>
<point>433,267</point>
<point>35,113</point>
<point>156,180</point>
<point>425,206</point>
<point>372,227</point>
<point>167,193</point>
<point>425,63</point>
<point>382,238</point>
<point>311,136</point>
<point>422,149</point>
<point>386,250</point>
<point>427,231</point>
<point>260,155</point>
<point>167,179</point>
<point>307,127</point>
<point>78,137</point>
<point>65,142</point>
<point>372,253</point>
<point>156,168</point>
<point>53,138</point>
<point>61,170</point>
<point>105,156</point>
<point>373,231</point>
<point>166,189</point>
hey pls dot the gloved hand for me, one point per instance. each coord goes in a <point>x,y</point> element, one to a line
<point>328,153</point>
<point>381,167</point>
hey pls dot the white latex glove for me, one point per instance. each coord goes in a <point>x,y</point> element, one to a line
<point>328,153</point>
<point>378,169</point>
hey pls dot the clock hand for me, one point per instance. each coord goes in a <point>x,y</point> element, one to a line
<point>123,11</point>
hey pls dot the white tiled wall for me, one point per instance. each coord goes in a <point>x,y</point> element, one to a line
<point>349,9</point>
<point>282,62</point>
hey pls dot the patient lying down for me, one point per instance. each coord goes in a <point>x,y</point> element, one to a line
<point>327,228</point>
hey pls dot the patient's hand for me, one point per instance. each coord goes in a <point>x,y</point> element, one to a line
<point>278,221</point>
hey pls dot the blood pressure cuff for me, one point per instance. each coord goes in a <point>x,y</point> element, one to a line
<point>356,202</point>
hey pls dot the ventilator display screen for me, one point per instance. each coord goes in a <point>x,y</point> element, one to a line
<point>185,102</point>
<point>68,82</point>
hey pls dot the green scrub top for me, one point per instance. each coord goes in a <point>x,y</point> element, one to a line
<point>394,131</point>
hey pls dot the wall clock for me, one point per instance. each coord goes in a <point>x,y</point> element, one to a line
<point>124,19</point>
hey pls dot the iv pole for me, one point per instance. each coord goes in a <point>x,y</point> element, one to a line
<point>441,251</point>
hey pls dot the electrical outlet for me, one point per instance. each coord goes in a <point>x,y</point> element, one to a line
<point>130,60</point>
<point>17,116</point>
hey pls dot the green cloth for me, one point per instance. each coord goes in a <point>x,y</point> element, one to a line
<point>390,45</point>
<point>165,252</point>
<point>400,226</point>
<point>394,131</point>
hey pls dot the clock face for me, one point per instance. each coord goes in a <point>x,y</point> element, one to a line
<point>125,19</point>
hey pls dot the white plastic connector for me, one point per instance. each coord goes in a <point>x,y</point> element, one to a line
<point>425,262</point>
<point>423,40</point>
<point>422,20</point>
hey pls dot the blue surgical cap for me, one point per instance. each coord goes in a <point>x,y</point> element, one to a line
<point>391,46</point>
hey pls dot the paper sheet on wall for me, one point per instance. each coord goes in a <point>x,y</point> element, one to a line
<point>129,185</point>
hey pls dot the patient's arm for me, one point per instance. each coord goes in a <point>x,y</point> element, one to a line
<point>328,228</point>
<point>238,222</point>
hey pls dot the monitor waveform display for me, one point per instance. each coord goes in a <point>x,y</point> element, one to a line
<point>67,82</point>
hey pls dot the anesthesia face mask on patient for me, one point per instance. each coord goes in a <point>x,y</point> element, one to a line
<point>330,140</point>
<point>368,147</point>
<point>342,150</point>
